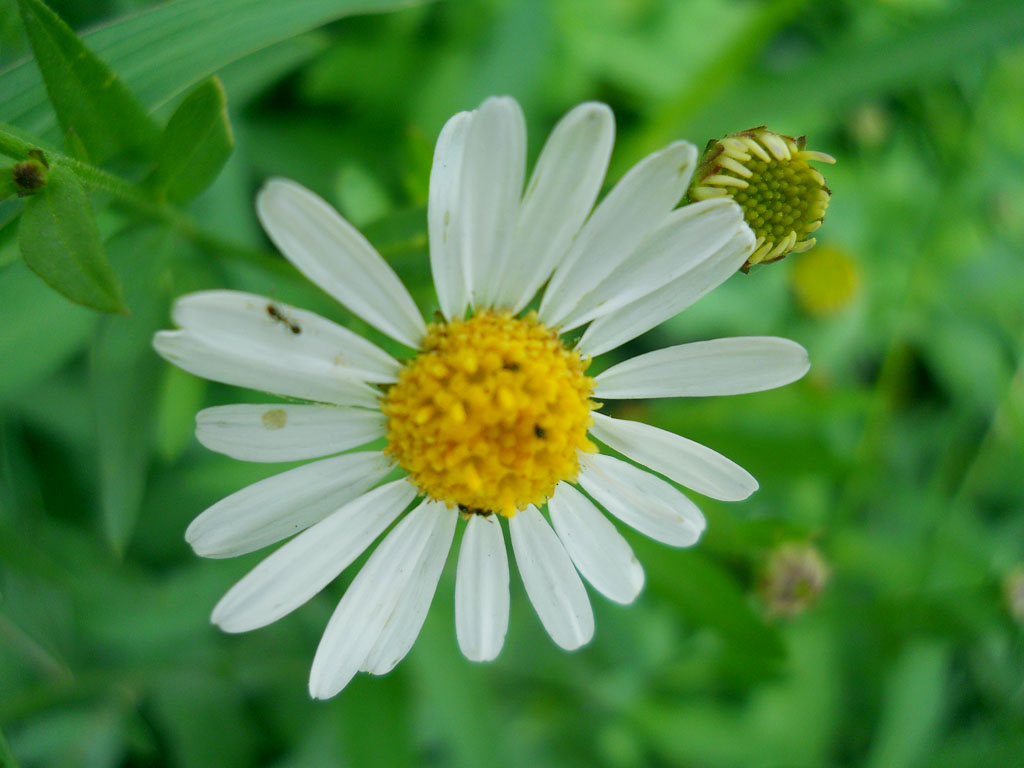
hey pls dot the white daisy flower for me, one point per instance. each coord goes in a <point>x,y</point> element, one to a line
<point>491,418</point>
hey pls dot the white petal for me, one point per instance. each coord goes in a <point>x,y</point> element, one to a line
<point>599,552</point>
<point>443,216</point>
<point>282,505</point>
<point>481,590</point>
<point>642,500</point>
<point>685,239</point>
<point>493,168</point>
<point>331,252</point>
<point>250,341</point>
<point>622,325</point>
<point>551,582</point>
<point>688,463</point>
<point>561,192</point>
<point>276,432</point>
<point>309,562</point>
<point>703,368</point>
<point>402,629</point>
<point>369,603</point>
<point>637,204</point>
<point>229,318</point>
<point>249,366</point>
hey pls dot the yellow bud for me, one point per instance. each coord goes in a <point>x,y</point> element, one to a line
<point>825,281</point>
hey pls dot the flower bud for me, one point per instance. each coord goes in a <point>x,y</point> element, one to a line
<point>783,198</point>
<point>792,580</point>
<point>825,281</point>
<point>29,175</point>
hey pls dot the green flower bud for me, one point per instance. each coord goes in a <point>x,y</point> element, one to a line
<point>783,198</point>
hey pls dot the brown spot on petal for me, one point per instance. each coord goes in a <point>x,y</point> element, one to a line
<point>275,418</point>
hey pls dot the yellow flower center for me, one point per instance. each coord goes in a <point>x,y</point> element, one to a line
<point>490,415</point>
<point>769,175</point>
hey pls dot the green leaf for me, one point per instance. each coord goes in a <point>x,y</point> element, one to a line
<point>914,706</point>
<point>60,242</point>
<point>181,396</point>
<point>41,330</point>
<point>86,94</point>
<point>246,78</point>
<point>969,360</point>
<point>730,98</point>
<point>7,187</point>
<point>125,378</point>
<point>86,737</point>
<point>163,50</point>
<point>709,596</point>
<point>195,145</point>
<point>790,721</point>
<point>74,147</point>
<point>447,688</point>
<point>374,704</point>
<point>361,197</point>
<point>6,758</point>
<point>841,74</point>
<point>204,718</point>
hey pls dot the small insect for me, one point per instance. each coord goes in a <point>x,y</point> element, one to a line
<point>279,316</point>
<point>467,511</point>
<point>538,430</point>
<point>510,366</point>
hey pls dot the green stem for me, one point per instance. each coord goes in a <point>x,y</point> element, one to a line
<point>895,370</point>
<point>890,379</point>
<point>94,177</point>
<point>122,189</point>
<point>1002,423</point>
<point>132,197</point>
<point>258,258</point>
<point>13,147</point>
<point>6,757</point>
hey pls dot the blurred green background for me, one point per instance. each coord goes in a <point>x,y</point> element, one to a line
<point>899,458</point>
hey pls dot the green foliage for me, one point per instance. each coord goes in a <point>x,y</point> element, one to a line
<point>124,373</point>
<point>60,242</point>
<point>101,119</point>
<point>7,185</point>
<point>34,314</point>
<point>161,51</point>
<point>87,96</point>
<point>913,706</point>
<point>710,596</point>
<point>195,144</point>
<point>836,75</point>
<point>898,457</point>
